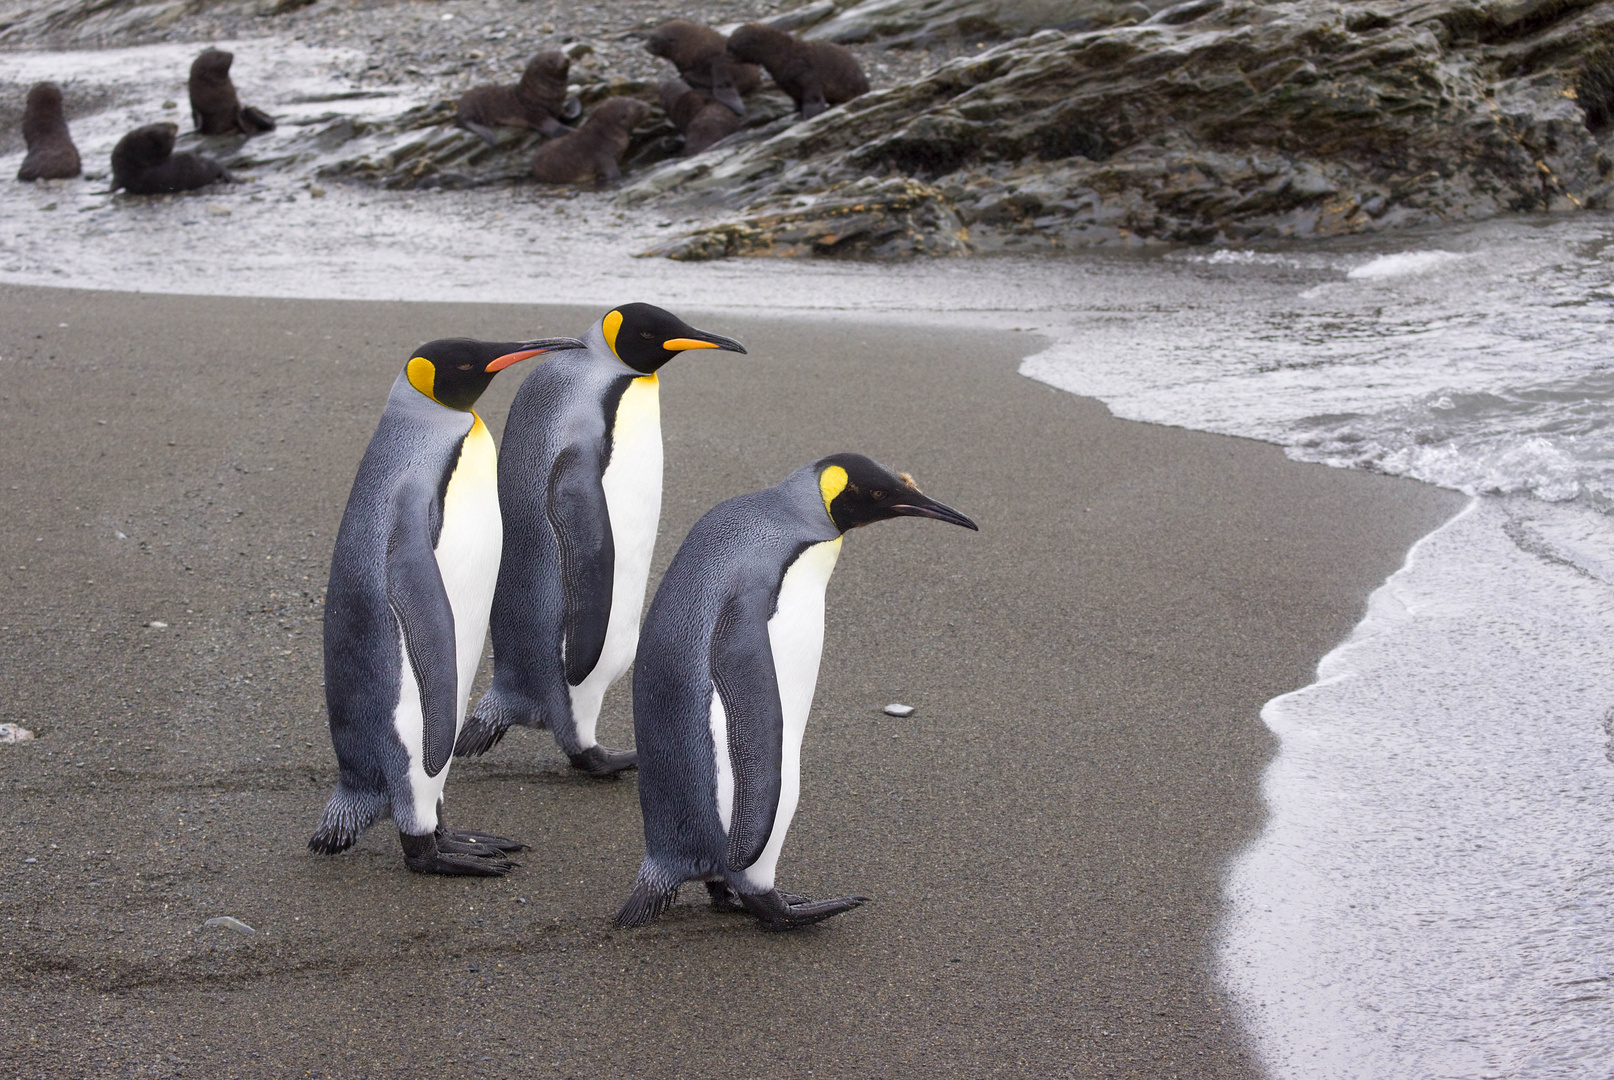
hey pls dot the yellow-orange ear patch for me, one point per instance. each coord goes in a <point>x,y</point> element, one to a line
<point>422,376</point>
<point>611,325</point>
<point>831,482</point>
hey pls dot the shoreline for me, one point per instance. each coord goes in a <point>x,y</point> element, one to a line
<point>1153,587</point>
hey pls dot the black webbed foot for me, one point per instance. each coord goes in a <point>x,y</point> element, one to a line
<point>602,761</point>
<point>424,855</point>
<point>724,899</point>
<point>777,912</point>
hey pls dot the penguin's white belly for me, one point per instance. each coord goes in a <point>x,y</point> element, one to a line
<point>632,484</point>
<point>468,549</point>
<point>796,637</point>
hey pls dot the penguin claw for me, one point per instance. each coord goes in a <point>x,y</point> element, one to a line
<point>602,761</point>
<point>786,911</point>
<point>423,855</point>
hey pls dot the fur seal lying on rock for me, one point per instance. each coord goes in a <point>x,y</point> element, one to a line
<point>538,101</point>
<point>702,120</point>
<point>698,52</point>
<point>215,108</point>
<point>51,153</point>
<point>816,74</point>
<point>144,163</point>
<point>594,151</point>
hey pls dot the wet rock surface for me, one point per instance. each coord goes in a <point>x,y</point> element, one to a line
<point>1218,121</point>
<point>992,124</point>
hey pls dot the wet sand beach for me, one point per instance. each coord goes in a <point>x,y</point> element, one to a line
<point>1043,840</point>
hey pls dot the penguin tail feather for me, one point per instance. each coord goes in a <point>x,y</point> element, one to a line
<point>484,728</point>
<point>652,894</point>
<point>346,817</point>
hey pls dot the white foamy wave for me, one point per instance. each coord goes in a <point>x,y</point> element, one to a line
<point>1491,376</point>
<point>1403,264</point>
<point>1434,891</point>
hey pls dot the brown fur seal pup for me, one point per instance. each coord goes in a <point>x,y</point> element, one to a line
<point>144,163</point>
<point>214,107</point>
<point>698,53</point>
<point>51,153</point>
<point>702,120</point>
<point>594,151</point>
<point>816,74</point>
<point>538,101</point>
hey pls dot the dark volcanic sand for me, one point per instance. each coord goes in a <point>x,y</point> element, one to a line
<point>1043,840</point>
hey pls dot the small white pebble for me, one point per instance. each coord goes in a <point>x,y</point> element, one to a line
<point>15,733</point>
<point>895,709</point>
<point>157,624</point>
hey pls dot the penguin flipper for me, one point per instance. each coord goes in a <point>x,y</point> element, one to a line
<point>582,522</point>
<point>415,591</point>
<point>742,670</point>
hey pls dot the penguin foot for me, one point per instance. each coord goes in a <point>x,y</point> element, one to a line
<point>724,899</point>
<point>478,843</point>
<point>424,855</point>
<point>601,761</point>
<point>786,911</point>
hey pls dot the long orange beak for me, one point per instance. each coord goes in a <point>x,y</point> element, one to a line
<point>711,341</point>
<point>531,349</point>
<point>511,358</point>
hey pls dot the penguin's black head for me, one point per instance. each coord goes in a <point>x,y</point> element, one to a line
<point>455,371</point>
<point>858,490</point>
<point>644,337</point>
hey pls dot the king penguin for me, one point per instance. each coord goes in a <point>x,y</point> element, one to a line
<point>406,610</point>
<point>727,666</point>
<point>580,487</point>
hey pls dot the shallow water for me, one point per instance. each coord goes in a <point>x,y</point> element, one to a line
<point>1431,894</point>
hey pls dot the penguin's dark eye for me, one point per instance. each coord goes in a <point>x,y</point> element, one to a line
<point>876,495</point>
<point>647,335</point>
<point>465,367</point>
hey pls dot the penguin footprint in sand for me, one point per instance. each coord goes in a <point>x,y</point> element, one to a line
<point>580,488</point>
<point>724,680</point>
<point>406,610</point>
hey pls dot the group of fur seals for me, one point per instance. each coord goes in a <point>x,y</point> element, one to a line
<point>215,108</point>
<point>538,101</point>
<point>701,120</point>
<point>592,153</point>
<point>552,543</point>
<point>51,153</point>
<point>699,54</point>
<point>816,74</point>
<point>144,163</point>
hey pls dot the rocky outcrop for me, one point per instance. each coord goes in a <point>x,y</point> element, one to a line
<point>907,23</point>
<point>892,219</point>
<point>1214,120</point>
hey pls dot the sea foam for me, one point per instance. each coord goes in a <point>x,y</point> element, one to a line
<point>1433,895</point>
